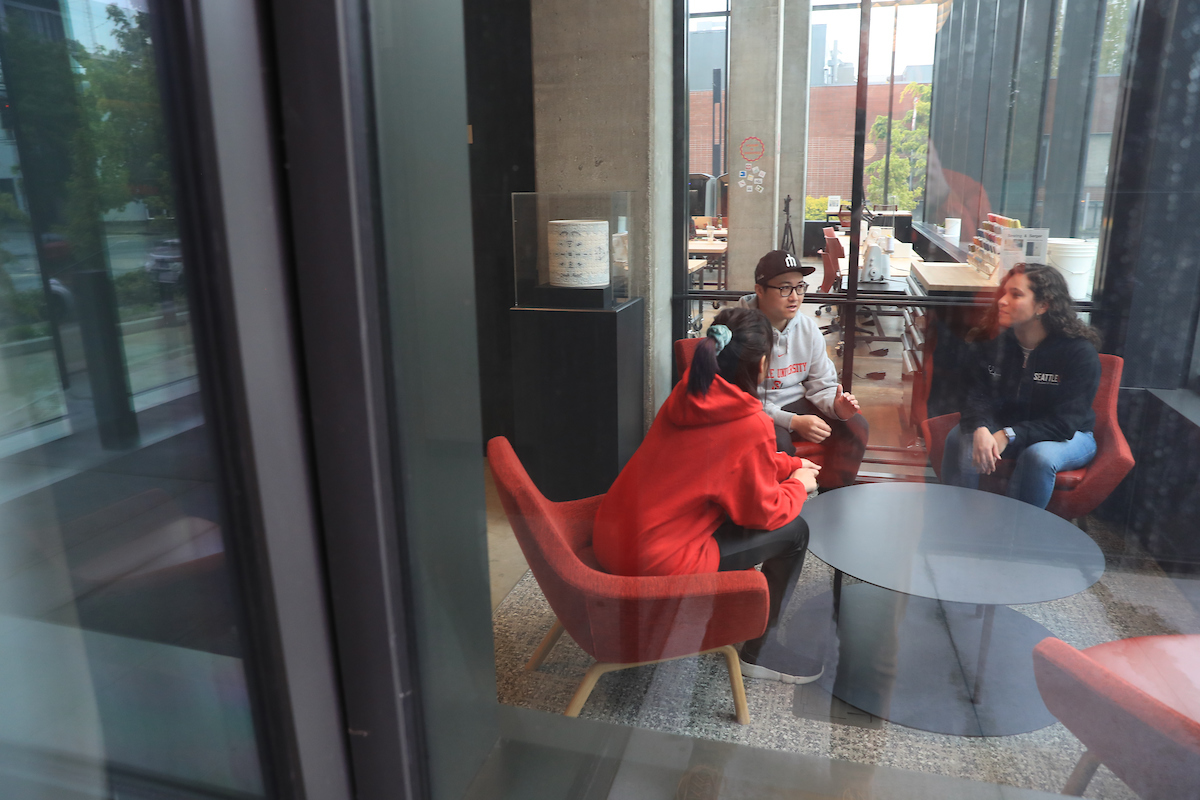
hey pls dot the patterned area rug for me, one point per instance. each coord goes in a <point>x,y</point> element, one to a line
<point>692,696</point>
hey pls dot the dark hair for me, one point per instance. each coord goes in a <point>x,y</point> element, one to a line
<point>739,361</point>
<point>1048,287</point>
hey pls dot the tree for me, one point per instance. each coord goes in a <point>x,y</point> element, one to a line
<point>119,92</point>
<point>814,207</point>
<point>1112,45</point>
<point>910,141</point>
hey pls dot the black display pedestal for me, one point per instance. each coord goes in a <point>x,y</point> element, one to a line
<point>578,388</point>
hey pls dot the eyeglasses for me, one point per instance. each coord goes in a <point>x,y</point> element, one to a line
<point>787,289</point>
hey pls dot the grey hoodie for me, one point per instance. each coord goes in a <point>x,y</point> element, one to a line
<point>798,367</point>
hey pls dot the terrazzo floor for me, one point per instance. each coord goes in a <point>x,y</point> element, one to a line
<point>692,697</point>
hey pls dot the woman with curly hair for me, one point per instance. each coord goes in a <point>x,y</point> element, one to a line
<point>1030,399</point>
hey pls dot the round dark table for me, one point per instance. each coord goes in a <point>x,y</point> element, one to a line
<point>926,640</point>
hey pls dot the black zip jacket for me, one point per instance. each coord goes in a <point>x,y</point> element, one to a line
<point>1047,400</point>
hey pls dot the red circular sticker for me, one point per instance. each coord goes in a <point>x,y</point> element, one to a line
<point>752,148</point>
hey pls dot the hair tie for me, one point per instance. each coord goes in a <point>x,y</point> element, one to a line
<point>722,334</point>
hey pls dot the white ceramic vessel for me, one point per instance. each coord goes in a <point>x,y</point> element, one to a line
<point>578,253</point>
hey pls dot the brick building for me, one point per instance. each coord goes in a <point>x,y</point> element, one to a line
<point>830,133</point>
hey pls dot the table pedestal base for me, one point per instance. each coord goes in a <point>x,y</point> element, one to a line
<point>916,661</point>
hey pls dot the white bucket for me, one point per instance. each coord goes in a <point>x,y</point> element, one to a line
<point>1076,260</point>
<point>953,228</point>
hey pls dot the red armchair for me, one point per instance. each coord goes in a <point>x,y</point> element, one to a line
<point>622,621</point>
<point>686,348</point>
<point>1135,704</point>
<point>1077,492</point>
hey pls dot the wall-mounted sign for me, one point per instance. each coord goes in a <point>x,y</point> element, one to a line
<point>752,148</point>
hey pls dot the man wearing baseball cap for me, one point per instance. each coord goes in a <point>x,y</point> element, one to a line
<point>800,390</point>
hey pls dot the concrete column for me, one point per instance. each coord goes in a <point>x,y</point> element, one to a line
<point>602,116</point>
<point>768,127</point>
<point>793,129</point>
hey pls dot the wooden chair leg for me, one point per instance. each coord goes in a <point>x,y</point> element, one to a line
<point>543,649</point>
<point>1081,776</point>
<point>588,683</point>
<point>599,668</point>
<point>741,709</point>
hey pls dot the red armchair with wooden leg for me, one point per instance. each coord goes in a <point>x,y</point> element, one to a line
<point>686,348</point>
<point>622,621</point>
<point>1077,492</point>
<point>1135,704</point>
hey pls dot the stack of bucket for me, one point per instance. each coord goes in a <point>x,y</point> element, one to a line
<point>1076,260</point>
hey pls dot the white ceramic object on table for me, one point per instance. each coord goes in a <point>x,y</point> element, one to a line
<point>578,253</point>
<point>953,228</point>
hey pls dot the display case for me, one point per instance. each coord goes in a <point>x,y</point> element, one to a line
<point>574,250</point>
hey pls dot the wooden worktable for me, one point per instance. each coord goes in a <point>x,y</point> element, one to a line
<point>942,276</point>
<point>900,265</point>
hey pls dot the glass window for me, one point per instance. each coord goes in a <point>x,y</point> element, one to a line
<point>981,329</point>
<point>120,629</point>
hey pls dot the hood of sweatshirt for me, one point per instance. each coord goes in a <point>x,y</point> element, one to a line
<point>724,402</point>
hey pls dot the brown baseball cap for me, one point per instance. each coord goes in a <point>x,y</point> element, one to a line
<point>778,262</point>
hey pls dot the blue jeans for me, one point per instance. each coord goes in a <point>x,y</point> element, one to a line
<point>1032,479</point>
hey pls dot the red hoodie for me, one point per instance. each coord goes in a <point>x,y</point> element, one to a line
<point>706,459</point>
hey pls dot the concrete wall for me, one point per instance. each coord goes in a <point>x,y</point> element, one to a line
<point>602,116</point>
<point>768,123</point>
<point>793,130</point>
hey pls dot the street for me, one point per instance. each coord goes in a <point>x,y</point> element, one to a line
<point>126,252</point>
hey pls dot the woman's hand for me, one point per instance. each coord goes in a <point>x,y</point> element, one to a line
<point>806,464</point>
<point>811,427</point>
<point>807,476</point>
<point>985,451</point>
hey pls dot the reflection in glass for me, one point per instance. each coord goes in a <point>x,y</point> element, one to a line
<point>119,640</point>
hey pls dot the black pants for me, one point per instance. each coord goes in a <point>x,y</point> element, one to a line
<point>781,552</point>
<point>844,448</point>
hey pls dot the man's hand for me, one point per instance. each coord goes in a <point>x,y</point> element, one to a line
<point>811,427</point>
<point>845,405</point>
<point>806,464</point>
<point>985,450</point>
<point>807,476</point>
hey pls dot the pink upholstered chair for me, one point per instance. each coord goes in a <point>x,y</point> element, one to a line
<point>1077,492</point>
<point>622,621</point>
<point>1135,704</point>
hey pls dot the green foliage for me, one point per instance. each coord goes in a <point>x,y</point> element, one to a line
<point>910,141</point>
<point>119,94</point>
<point>21,313</point>
<point>136,288</point>
<point>1112,43</point>
<point>814,207</point>
<point>1112,40</point>
<point>98,143</point>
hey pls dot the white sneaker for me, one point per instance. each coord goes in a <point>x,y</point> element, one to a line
<point>755,671</point>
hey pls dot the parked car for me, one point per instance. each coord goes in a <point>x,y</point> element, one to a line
<point>166,261</point>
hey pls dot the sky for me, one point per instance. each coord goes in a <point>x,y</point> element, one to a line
<point>87,20</point>
<point>914,38</point>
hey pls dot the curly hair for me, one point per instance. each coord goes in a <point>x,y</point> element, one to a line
<point>1048,287</point>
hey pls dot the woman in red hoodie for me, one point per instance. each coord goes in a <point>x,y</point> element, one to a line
<point>707,491</point>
